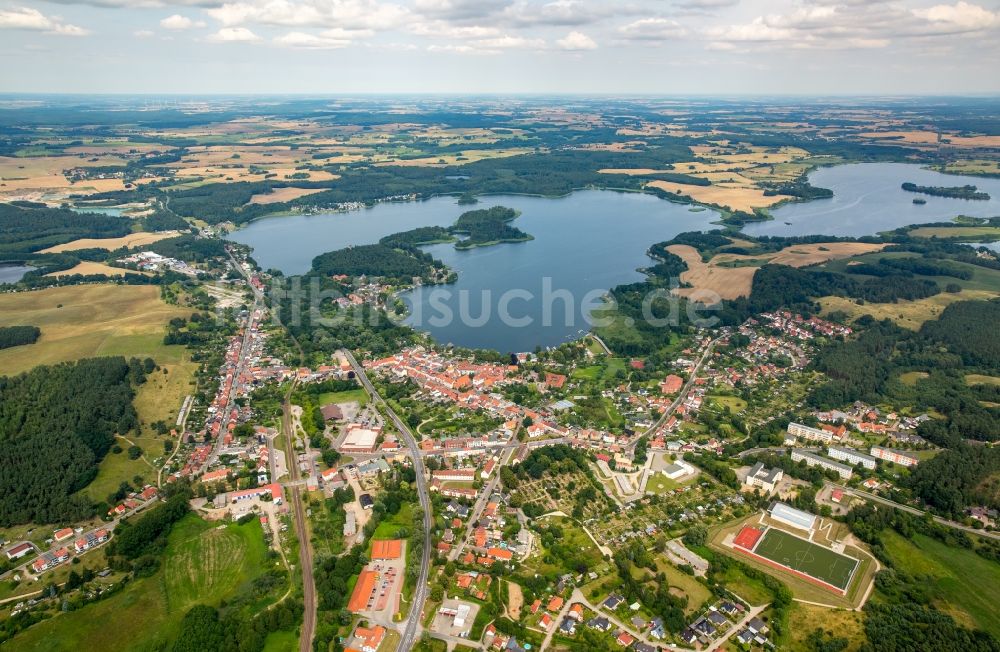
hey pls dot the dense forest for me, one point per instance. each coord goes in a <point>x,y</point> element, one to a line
<point>953,192</point>
<point>188,248</point>
<point>487,226</point>
<point>387,262</point>
<point>56,423</point>
<point>423,235</point>
<point>161,220</point>
<point>26,230</point>
<point>18,335</point>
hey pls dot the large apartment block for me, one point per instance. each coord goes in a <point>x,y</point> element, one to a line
<point>851,456</point>
<point>811,459</point>
<point>896,457</point>
<point>810,434</point>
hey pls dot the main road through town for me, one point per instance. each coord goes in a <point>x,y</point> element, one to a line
<point>412,628</point>
<point>680,396</point>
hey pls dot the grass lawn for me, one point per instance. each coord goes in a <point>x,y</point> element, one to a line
<point>751,590</point>
<point>804,619</point>
<point>159,398</point>
<point>908,314</point>
<point>203,563</point>
<point>735,404</point>
<point>696,592</point>
<point>661,484</point>
<point>973,232</point>
<point>282,641</point>
<point>965,585</point>
<point>388,528</point>
<point>94,320</point>
<point>116,468</point>
<point>979,379</point>
<point>358,395</point>
<point>910,378</point>
<point>593,372</point>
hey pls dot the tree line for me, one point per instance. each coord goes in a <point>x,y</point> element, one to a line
<point>56,424</point>
<point>18,335</point>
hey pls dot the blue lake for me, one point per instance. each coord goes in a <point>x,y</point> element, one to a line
<point>13,273</point>
<point>867,198</point>
<point>585,244</point>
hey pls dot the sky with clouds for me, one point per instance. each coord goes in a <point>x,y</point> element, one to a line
<point>659,47</point>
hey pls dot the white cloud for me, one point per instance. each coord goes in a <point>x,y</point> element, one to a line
<point>31,19</point>
<point>143,33</point>
<point>961,16</point>
<point>348,14</point>
<point>706,5</point>
<point>310,41</point>
<point>652,29</point>
<point>850,24</point>
<point>234,35</point>
<point>460,10</point>
<point>491,46</point>
<point>576,41</point>
<point>566,12</point>
<point>329,39</point>
<point>140,4</point>
<point>178,22</point>
<point>444,29</point>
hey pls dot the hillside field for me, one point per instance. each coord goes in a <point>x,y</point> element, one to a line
<point>964,584</point>
<point>203,564</point>
<point>89,320</point>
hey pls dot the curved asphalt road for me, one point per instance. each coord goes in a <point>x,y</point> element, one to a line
<point>412,628</point>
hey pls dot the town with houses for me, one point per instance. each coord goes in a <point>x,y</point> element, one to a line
<point>498,575</point>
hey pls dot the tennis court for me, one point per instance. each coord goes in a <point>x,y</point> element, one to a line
<point>807,558</point>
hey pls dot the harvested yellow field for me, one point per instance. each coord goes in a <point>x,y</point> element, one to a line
<point>908,314</point>
<point>279,195</point>
<point>734,197</point>
<point>82,321</point>
<point>468,156</point>
<point>806,254</point>
<point>88,267</point>
<point>708,282</point>
<point>313,175</point>
<point>721,277</point>
<point>973,141</point>
<point>909,137</point>
<point>131,240</point>
<point>955,231</point>
<point>970,166</point>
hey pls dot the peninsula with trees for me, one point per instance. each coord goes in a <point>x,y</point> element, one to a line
<point>951,192</point>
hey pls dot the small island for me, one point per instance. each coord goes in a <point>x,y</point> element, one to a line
<point>951,192</point>
<point>488,226</point>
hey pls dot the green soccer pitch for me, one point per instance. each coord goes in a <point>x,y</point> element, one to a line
<point>807,558</point>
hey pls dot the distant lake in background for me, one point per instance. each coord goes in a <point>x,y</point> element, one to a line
<point>589,242</point>
<point>586,242</point>
<point>867,198</point>
<point>13,273</point>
